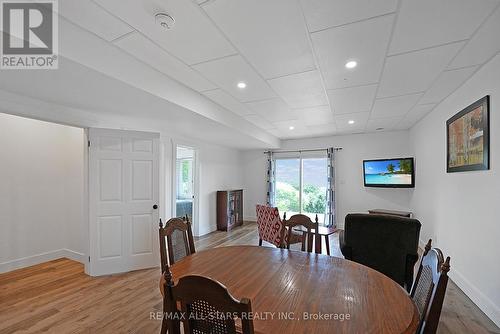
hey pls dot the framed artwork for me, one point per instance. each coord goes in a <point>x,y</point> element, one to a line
<point>468,138</point>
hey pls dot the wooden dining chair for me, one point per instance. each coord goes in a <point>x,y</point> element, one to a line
<point>304,223</point>
<point>179,241</point>
<point>204,306</point>
<point>429,288</point>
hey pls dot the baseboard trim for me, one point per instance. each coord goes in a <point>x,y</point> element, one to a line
<point>75,256</point>
<point>40,258</point>
<point>486,305</point>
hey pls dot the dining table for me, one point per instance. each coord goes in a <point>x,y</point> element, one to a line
<point>300,292</point>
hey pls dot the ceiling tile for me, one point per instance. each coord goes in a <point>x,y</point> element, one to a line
<point>426,23</point>
<point>483,45</point>
<point>324,129</point>
<point>91,17</point>
<point>382,124</point>
<point>300,90</point>
<point>193,38</point>
<point>394,106</point>
<point>227,72</point>
<point>359,118</point>
<point>270,34</point>
<point>274,110</point>
<point>314,116</point>
<point>366,42</point>
<point>415,71</point>
<point>321,14</point>
<point>353,99</point>
<point>403,125</point>
<point>227,101</point>
<point>447,83</point>
<point>419,112</point>
<point>151,54</point>
<point>259,121</point>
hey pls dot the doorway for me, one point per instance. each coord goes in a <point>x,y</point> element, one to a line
<point>185,189</point>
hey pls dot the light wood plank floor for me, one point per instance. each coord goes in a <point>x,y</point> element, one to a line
<point>57,297</point>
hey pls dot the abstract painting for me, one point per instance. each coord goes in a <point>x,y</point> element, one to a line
<point>468,138</point>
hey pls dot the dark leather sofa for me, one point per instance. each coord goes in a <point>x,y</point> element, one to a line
<point>386,243</point>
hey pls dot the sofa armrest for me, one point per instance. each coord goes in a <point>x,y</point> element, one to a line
<point>411,259</point>
<point>344,248</point>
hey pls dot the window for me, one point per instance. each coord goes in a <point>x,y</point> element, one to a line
<point>301,186</point>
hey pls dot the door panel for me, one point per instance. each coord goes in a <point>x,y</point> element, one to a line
<point>123,188</point>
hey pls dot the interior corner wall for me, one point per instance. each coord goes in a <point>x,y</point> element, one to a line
<point>351,194</point>
<point>41,192</point>
<point>458,210</point>
<point>217,168</point>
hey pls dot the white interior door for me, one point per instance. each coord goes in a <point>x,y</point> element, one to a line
<point>123,200</point>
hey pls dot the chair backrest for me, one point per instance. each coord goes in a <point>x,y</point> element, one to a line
<point>429,288</point>
<point>309,228</point>
<point>206,306</point>
<point>386,243</point>
<point>269,224</point>
<point>179,243</point>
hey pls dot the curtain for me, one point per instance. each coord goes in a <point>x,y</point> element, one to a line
<point>331,209</point>
<point>271,176</point>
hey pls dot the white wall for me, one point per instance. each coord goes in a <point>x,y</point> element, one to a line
<point>41,189</point>
<point>352,196</point>
<point>219,168</point>
<point>459,210</point>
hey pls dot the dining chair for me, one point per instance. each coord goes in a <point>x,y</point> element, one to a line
<point>204,306</point>
<point>179,241</point>
<point>300,223</point>
<point>429,288</point>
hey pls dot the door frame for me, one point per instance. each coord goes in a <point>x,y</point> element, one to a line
<point>196,178</point>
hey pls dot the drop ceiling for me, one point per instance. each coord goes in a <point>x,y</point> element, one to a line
<point>411,54</point>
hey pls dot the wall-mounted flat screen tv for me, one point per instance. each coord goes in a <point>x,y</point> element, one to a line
<point>389,173</point>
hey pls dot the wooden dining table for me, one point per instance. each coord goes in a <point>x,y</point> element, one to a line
<point>300,292</point>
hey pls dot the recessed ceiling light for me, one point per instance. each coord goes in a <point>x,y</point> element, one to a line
<point>351,64</point>
<point>241,85</point>
<point>291,127</point>
<point>351,122</point>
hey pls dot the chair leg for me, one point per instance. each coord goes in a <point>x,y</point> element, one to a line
<point>260,242</point>
<point>327,244</point>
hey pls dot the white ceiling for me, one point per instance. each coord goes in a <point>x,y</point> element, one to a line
<point>411,55</point>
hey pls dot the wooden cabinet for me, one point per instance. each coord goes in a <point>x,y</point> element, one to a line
<point>229,209</point>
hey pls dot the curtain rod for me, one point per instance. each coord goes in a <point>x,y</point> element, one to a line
<point>300,151</point>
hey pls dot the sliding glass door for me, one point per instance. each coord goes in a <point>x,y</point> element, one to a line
<point>301,186</point>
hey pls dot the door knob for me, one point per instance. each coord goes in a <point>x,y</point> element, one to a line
<point>155,206</point>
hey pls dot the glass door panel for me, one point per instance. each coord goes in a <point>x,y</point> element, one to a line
<point>314,187</point>
<point>287,195</point>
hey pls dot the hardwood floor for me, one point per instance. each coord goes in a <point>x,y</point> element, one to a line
<point>57,297</point>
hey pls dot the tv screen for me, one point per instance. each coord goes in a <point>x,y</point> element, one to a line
<point>389,173</point>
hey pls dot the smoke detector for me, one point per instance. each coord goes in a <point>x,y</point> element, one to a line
<point>164,20</point>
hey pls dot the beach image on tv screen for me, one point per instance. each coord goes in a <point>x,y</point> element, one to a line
<point>398,171</point>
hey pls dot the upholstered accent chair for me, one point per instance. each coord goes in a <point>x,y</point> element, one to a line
<point>269,225</point>
<point>386,243</point>
<point>429,288</point>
